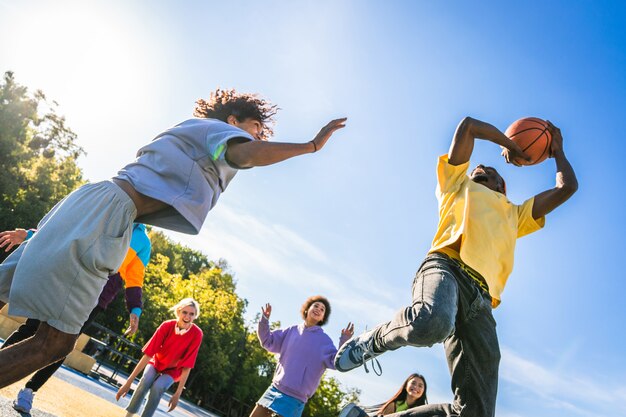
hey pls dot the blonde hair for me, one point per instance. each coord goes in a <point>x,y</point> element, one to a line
<point>186,302</point>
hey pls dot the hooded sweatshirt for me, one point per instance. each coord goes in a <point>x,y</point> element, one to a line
<point>304,354</point>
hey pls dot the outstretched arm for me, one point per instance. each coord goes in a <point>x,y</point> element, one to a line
<point>566,182</point>
<point>470,129</point>
<point>259,153</point>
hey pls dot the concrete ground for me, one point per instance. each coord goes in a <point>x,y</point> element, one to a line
<point>72,394</point>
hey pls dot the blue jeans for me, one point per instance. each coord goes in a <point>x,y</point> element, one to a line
<point>154,384</point>
<point>449,307</point>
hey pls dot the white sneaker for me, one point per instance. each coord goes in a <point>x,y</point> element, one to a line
<point>24,401</point>
<point>356,352</point>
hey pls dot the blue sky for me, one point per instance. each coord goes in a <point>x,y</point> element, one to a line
<point>354,221</point>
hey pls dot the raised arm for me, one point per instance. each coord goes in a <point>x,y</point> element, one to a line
<point>261,153</point>
<point>566,182</point>
<point>272,341</point>
<point>470,129</point>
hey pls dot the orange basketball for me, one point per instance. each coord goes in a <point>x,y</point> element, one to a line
<point>532,135</point>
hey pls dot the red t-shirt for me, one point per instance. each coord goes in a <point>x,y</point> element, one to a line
<point>171,352</point>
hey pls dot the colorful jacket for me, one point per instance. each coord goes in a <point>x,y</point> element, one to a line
<point>130,273</point>
<point>305,353</point>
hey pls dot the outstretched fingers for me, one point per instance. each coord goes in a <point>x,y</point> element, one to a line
<point>267,310</point>
<point>327,131</point>
<point>349,330</point>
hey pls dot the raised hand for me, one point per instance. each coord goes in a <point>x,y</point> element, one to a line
<point>513,154</point>
<point>326,132</point>
<point>348,331</point>
<point>556,145</point>
<point>267,311</point>
<point>12,238</point>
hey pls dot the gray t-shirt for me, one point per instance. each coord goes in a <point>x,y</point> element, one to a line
<point>186,168</point>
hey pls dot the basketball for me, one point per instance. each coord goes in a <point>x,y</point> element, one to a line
<point>532,135</point>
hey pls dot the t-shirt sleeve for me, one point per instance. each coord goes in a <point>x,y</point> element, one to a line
<point>218,142</point>
<point>156,341</point>
<point>450,177</point>
<point>189,358</point>
<point>526,224</point>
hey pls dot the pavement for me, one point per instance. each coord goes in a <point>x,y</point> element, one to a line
<point>97,388</point>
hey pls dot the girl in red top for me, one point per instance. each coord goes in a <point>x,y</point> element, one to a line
<point>168,357</point>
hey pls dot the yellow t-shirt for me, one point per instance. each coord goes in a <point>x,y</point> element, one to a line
<point>487,223</point>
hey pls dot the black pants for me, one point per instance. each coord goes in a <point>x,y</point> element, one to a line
<point>28,329</point>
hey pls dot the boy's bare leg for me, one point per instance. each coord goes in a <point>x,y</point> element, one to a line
<point>22,359</point>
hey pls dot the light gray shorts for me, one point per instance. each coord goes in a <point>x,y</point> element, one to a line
<point>58,274</point>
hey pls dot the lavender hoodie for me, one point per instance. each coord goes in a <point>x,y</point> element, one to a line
<point>304,355</point>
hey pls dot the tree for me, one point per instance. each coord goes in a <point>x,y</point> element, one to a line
<point>231,368</point>
<point>38,154</point>
<point>329,398</point>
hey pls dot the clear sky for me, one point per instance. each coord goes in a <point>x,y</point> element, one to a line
<point>354,221</point>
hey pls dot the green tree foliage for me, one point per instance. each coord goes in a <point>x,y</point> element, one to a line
<point>329,398</point>
<point>231,366</point>
<point>38,155</point>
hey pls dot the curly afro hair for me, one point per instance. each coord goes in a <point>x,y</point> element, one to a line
<point>309,302</point>
<point>224,103</point>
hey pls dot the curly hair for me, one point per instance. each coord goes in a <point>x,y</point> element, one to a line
<point>224,103</point>
<point>309,302</point>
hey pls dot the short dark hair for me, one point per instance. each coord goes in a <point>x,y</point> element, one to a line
<point>309,302</point>
<point>224,103</point>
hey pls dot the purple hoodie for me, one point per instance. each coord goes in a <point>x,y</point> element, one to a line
<point>305,353</point>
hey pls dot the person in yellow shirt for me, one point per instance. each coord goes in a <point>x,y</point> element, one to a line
<point>465,271</point>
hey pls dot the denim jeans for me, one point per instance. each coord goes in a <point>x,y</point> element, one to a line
<point>449,307</point>
<point>154,384</point>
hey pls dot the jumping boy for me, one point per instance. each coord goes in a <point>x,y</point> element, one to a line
<point>465,272</point>
<point>174,182</point>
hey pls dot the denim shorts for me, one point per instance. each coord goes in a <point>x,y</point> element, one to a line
<point>280,403</point>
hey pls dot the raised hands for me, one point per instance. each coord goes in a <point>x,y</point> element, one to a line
<point>326,132</point>
<point>12,238</point>
<point>267,310</point>
<point>513,154</point>
<point>556,145</point>
<point>348,331</point>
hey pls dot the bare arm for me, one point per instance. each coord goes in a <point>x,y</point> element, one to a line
<point>12,238</point>
<point>566,182</point>
<point>260,153</point>
<point>470,129</point>
<point>126,387</point>
<point>179,390</point>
